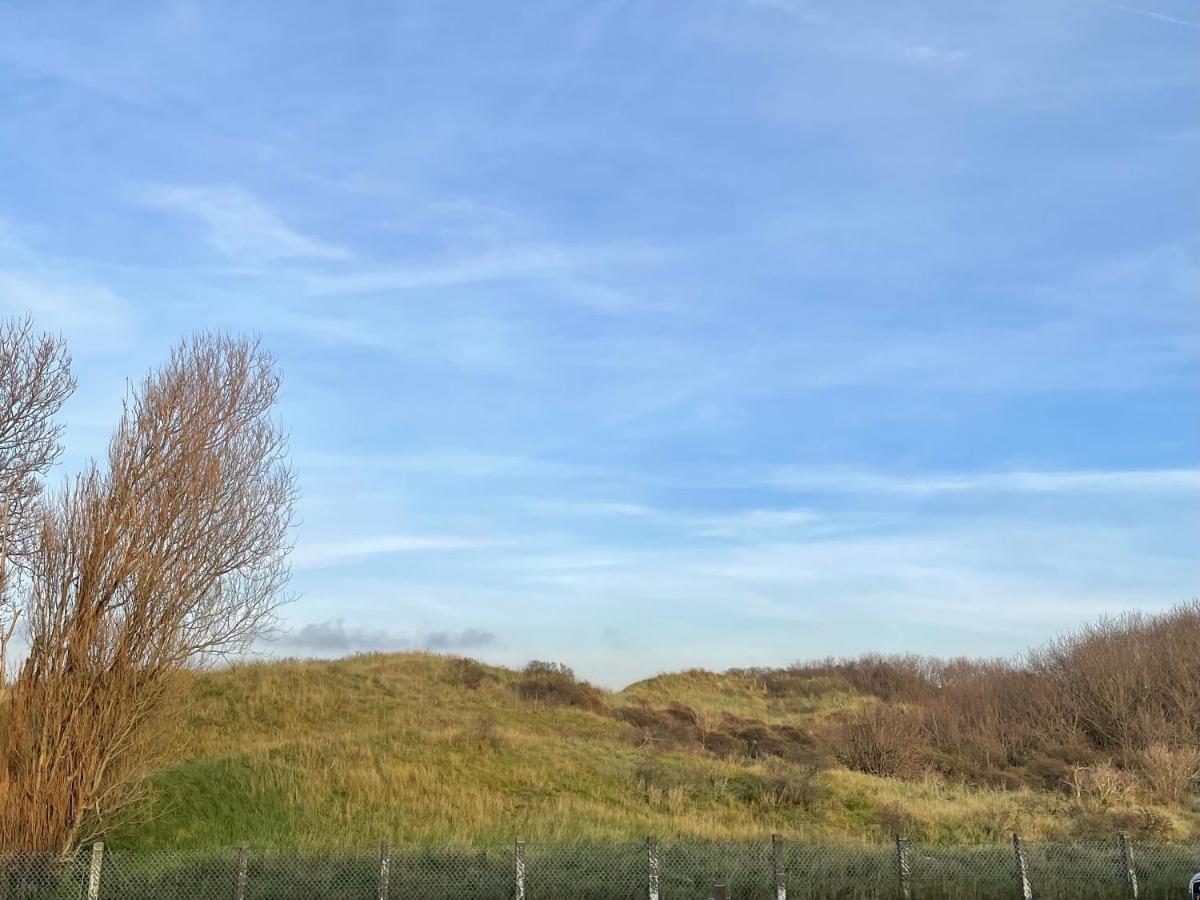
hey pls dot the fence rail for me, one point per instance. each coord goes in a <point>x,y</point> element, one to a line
<point>653,870</point>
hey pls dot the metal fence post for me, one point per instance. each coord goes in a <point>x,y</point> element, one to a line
<point>904,867</point>
<point>385,865</point>
<point>652,868</point>
<point>243,864</point>
<point>93,891</point>
<point>1022,868</point>
<point>1130,871</point>
<point>777,867</point>
<point>519,869</point>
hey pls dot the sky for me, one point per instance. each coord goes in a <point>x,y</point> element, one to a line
<point>643,335</point>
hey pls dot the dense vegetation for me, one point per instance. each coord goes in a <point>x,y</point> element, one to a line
<point>1094,733</point>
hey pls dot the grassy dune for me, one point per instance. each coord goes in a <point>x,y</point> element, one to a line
<point>347,753</point>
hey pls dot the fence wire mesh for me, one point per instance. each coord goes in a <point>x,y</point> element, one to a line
<point>622,871</point>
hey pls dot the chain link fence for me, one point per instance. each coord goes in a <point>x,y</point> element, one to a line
<point>766,870</point>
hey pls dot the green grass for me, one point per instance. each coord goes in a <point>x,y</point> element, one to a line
<point>327,755</point>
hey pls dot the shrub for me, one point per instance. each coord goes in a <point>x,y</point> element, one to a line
<point>879,741</point>
<point>468,673</point>
<point>675,726</point>
<point>537,668</point>
<point>1079,714</point>
<point>1102,785</point>
<point>1170,773</point>
<point>553,684</point>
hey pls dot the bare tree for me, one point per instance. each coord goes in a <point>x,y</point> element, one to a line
<point>35,380</point>
<point>173,554</point>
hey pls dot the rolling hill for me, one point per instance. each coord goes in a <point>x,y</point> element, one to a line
<point>423,749</point>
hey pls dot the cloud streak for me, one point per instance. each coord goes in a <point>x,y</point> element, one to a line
<point>89,313</point>
<point>337,553</point>
<point>514,263</point>
<point>1135,481</point>
<point>239,225</point>
<point>1149,14</point>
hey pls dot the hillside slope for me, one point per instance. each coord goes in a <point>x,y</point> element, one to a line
<point>416,748</point>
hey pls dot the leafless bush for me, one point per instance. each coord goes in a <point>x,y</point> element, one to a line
<point>35,380</point>
<point>891,678</point>
<point>1129,681</point>
<point>880,741</point>
<point>1102,785</point>
<point>537,668</point>
<point>1171,773</point>
<point>1086,713</point>
<point>553,684</point>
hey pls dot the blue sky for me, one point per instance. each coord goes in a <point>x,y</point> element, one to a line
<point>642,335</point>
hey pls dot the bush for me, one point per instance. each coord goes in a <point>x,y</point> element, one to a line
<point>1102,785</point>
<point>880,741</point>
<point>537,668</point>
<point>1083,713</point>
<point>1171,774</point>
<point>675,726</point>
<point>553,684</point>
<point>463,672</point>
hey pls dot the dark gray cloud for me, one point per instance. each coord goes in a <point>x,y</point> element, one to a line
<point>333,636</point>
<point>457,640</point>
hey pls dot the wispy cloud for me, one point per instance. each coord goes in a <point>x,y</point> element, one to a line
<point>91,315</point>
<point>336,553</point>
<point>736,523</point>
<point>469,342</point>
<point>240,225</point>
<point>449,461</point>
<point>754,522</point>
<point>545,260</point>
<point>571,507</point>
<point>799,9</point>
<point>843,35</point>
<point>924,53</point>
<point>1150,14</point>
<point>334,637</point>
<point>1055,482</point>
<point>461,219</point>
<point>889,48</point>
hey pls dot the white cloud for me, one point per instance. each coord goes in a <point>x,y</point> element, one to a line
<point>753,522</point>
<point>923,53</point>
<point>239,225</point>
<point>1150,14</point>
<point>336,553</point>
<point>1067,481</point>
<point>588,508</point>
<point>470,342</point>
<point>544,260</point>
<point>88,314</point>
